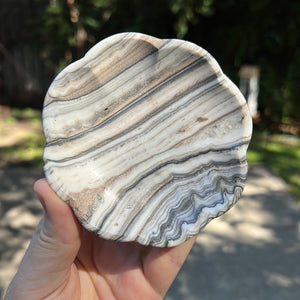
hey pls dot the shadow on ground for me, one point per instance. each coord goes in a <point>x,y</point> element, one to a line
<point>20,212</point>
<point>250,253</point>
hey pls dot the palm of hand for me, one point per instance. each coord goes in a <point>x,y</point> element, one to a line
<point>114,270</point>
<point>67,262</point>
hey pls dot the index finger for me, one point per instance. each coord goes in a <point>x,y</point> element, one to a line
<point>161,265</point>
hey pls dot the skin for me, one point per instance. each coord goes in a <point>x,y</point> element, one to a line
<point>64,261</point>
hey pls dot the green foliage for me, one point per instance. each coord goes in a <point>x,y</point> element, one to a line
<point>68,28</point>
<point>28,150</point>
<point>281,154</point>
<point>28,145</point>
<point>189,12</point>
<point>28,114</point>
<point>261,32</point>
<point>236,32</point>
<point>10,120</point>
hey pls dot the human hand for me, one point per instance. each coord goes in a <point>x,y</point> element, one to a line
<point>64,261</point>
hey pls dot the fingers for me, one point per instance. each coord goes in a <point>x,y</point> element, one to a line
<point>46,265</point>
<point>58,235</point>
<point>162,265</point>
<point>59,218</point>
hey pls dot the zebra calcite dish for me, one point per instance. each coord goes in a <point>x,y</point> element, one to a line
<point>146,139</point>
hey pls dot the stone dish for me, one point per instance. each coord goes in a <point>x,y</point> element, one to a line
<point>146,139</point>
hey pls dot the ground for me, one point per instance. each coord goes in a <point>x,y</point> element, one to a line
<point>250,253</point>
<point>21,137</point>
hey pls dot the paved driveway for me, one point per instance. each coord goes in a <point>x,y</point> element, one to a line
<point>252,252</point>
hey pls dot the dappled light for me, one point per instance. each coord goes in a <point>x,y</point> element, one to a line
<point>254,247</point>
<point>20,212</point>
<point>251,252</point>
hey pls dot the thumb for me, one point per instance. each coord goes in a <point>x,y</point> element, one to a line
<point>58,233</point>
<point>59,224</point>
<point>47,263</point>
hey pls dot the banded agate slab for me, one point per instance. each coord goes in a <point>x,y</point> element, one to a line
<point>146,139</point>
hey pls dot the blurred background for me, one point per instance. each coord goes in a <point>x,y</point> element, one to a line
<point>255,42</point>
<point>251,253</point>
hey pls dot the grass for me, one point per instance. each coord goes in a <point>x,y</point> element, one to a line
<point>28,151</point>
<point>28,114</point>
<point>24,126</point>
<point>282,154</point>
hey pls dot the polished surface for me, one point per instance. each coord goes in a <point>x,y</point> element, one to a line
<point>146,139</point>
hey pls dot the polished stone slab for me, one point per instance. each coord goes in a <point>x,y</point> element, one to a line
<point>146,139</point>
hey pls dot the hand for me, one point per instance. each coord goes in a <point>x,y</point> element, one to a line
<point>64,261</point>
